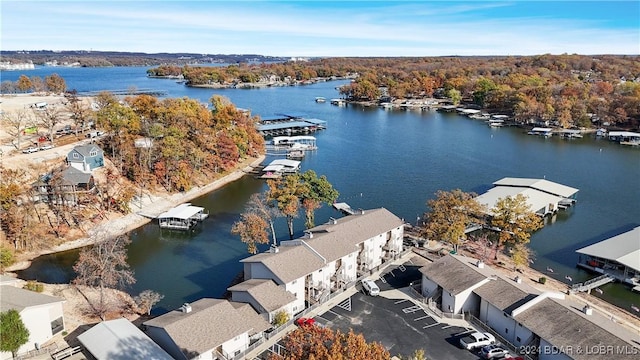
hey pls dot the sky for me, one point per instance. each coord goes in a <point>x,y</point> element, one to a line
<point>324,28</point>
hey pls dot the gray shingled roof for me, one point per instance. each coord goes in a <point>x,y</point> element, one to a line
<point>266,293</point>
<point>504,295</point>
<point>85,150</point>
<point>74,176</point>
<point>19,299</point>
<point>567,328</point>
<point>334,241</point>
<point>210,323</point>
<point>452,274</point>
<point>247,312</point>
<point>289,263</point>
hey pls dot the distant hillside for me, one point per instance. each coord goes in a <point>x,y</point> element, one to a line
<point>116,58</point>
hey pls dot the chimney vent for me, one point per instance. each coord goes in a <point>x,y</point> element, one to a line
<point>587,310</point>
<point>185,308</point>
<point>518,280</point>
<point>273,249</point>
<point>333,221</point>
<point>480,264</point>
<point>361,211</point>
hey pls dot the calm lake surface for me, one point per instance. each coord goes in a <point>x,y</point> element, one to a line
<point>375,158</point>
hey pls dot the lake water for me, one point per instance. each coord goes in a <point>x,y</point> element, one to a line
<point>375,158</point>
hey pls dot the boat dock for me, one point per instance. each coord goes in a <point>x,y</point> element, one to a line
<point>344,208</point>
<point>289,124</point>
<point>132,92</point>
<point>182,217</point>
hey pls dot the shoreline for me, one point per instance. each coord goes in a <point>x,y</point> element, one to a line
<point>152,205</point>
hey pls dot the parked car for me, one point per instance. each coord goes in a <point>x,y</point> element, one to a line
<point>476,340</point>
<point>494,352</point>
<point>46,147</point>
<point>30,150</point>
<point>303,321</point>
<point>370,287</point>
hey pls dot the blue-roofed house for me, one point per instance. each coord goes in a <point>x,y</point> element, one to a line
<point>86,158</point>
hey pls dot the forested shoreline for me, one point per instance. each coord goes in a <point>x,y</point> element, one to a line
<point>571,91</point>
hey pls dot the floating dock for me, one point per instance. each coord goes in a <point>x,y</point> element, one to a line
<point>182,217</point>
<point>289,124</point>
<point>344,208</point>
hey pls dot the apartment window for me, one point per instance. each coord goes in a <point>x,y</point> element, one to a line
<point>519,324</point>
<point>518,339</point>
<point>76,155</point>
<point>506,331</point>
<point>93,153</point>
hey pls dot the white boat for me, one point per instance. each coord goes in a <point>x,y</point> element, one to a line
<point>495,123</point>
<point>320,99</point>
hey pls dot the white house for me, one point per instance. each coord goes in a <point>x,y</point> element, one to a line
<point>551,323</point>
<point>330,256</point>
<point>207,329</point>
<point>120,339</point>
<point>41,314</point>
<point>265,296</point>
<point>543,196</point>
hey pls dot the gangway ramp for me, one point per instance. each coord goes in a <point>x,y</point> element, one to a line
<point>593,283</point>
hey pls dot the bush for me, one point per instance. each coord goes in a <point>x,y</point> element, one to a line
<point>542,280</point>
<point>34,286</point>
<point>6,258</point>
<point>280,318</point>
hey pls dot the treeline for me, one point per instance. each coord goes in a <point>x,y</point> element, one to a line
<point>176,143</point>
<point>246,73</point>
<point>53,83</point>
<point>119,58</point>
<point>569,90</point>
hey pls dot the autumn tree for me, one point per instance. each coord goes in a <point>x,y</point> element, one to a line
<point>318,190</point>
<point>451,213</point>
<point>147,299</point>
<point>13,332</point>
<point>320,343</point>
<point>104,265</point>
<point>513,216</point>
<point>521,255</point>
<point>258,204</point>
<point>252,229</point>
<point>55,84</point>
<point>285,194</point>
<point>24,83</point>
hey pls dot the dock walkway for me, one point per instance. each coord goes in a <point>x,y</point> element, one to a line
<point>593,283</point>
<point>344,208</point>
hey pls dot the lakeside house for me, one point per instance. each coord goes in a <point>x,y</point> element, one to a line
<point>86,158</point>
<point>65,187</point>
<point>41,314</point>
<point>207,329</point>
<point>520,316</point>
<point>120,339</point>
<point>618,256</point>
<point>543,197</point>
<point>265,296</point>
<point>330,256</point>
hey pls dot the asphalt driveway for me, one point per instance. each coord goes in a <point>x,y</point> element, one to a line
<point>398,324</point>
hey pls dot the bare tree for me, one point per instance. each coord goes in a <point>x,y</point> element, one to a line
<point>15,124</point>
<point>79,110</point>
<point>104,265</point>
<point>258,204</point>
<point>147,299</point>
<point>49,118</point>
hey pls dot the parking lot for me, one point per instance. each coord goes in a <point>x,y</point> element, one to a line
<point>398,324</point>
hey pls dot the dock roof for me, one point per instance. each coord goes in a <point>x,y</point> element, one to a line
<point>183,211</point>
<point>283,125</point>
<point>535,199</point>
<point>538,184</point>
<point>623,248</point>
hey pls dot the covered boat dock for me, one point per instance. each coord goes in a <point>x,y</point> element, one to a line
<point>618,256</point>
<point>182,217</point>
<point>289,124</point>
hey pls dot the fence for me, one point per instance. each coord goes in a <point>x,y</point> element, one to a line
<point>33,353</point>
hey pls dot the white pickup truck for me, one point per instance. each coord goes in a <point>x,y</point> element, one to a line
<point>476,340</point>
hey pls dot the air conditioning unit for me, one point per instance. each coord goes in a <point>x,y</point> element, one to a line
<point>185,308</point>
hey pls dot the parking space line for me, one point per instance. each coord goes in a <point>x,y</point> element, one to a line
<point>422,317</point>
<point>448,326</point>
<point>400,301</point>
<point>465,332</point>
<point>411,309</point>
<point>334,313</point>
<point>428,326</point>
